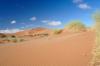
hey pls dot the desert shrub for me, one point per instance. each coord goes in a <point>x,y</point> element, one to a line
<point>46,34</point>
<point>40,35</point>
<point>22,40</point>
<point>13,36</point>
<point>15,40</point>
<point>31,35</point>
<point>18,40</point>
<point>9,39</point>
<point>3,36</point>
<point>57,31</point>
<point>76,26</point>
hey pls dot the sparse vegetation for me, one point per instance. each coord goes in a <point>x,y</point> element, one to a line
<point>40,35</point>
<point>2,36</point>
<point>14,40</point>
<point>13,36</point>
<point>57,31</point>
<point>21,39</point>
<point>76,26</point>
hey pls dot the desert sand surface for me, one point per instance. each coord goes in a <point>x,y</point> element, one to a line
<point>64,50</point>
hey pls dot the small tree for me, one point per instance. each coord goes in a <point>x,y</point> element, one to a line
<point>76,26</point>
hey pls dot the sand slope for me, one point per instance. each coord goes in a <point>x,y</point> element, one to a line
<point>66,50</point>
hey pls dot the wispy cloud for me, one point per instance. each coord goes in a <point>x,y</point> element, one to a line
<point>77,1</point>
<point>81,4</point>
<point>10,30</point>
<point>45,21</point>
<point>13,21</point>
<point>22,27</point>
<point>84,6</point>
<point>52,23</point>
<point>33,18</point>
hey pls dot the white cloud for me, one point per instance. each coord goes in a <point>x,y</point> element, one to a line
<point>54,23</point>
<point>81,4</point>
<point>33,18</point>
<point>77,1</point>
<point>13,21</point>
<point>10,30</point>
<point>84,6</point>
<point>45,21</point>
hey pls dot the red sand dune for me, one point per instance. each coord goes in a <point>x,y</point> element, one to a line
<point>32,31</point>
<point>65,50</point>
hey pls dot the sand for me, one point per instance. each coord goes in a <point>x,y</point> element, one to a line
<point>65,50</point>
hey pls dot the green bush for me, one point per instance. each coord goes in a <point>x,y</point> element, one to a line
<point>76,26</point>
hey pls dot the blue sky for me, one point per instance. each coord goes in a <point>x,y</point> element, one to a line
<point>24,14</point>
